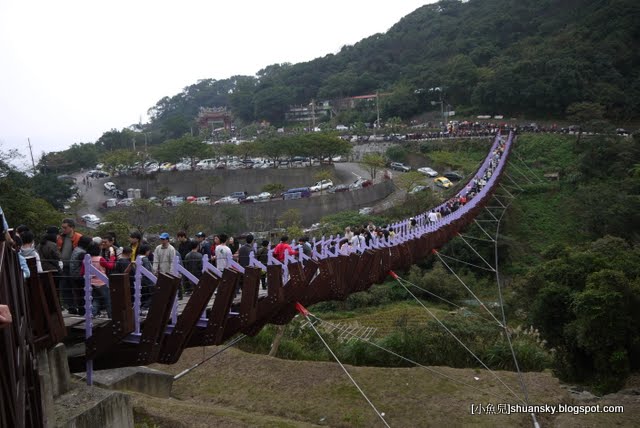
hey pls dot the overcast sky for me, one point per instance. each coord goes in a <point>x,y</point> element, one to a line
<point>71,70</point>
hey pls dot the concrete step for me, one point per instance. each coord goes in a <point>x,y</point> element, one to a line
<point>90,407</point>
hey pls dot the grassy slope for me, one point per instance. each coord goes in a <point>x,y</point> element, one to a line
<point>239,389</point>
<point>385,318</point>
<point>544,214</point>
<point>236,389</point>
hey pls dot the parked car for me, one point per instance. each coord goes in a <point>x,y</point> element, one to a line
<point>167,166</point>
<point>417,189</point>
<point>207,164</point>
<point>191,199</point>
<point>264,196</point>
<point>453,175</point>
<point>443,182</point>
<point>126,202</point>
<point>203,200</point>
<point>227,200</point>
<point>119,193</point>
<point>428,171</point>
<point>94,173</point>
<point>238,195</point>
<point>151,167</point>
<point>91,218</point>
<point>174,201</point>
<point>183,166</point>
<point>321,185</point>
<point>297,193</point>
<point>110,203</point>
<point>360,183</point>
<point>261,197</point>
<point>365,211</point>
<point>339,188</point>
<point>398,166</point>
<point>110,186</point>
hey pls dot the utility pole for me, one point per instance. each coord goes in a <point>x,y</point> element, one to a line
<point>377,113</point>
<point>313,115</point>
<point>33,163</point>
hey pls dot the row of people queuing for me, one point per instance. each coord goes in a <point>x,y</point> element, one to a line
<point>476,185</point>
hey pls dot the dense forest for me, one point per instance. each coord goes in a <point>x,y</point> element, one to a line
<point>507,57</point>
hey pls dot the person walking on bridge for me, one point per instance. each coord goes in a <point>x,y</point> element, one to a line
<point>67,242</point>
<point>283,248</point>
<point>223,253</point>
<point>163,255</point>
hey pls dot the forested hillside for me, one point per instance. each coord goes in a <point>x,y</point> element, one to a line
<point>533,57</point>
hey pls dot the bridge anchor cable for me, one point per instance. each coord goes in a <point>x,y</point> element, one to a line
<point>409,360</point>
<point>458,340</point>
<point>305,313</point>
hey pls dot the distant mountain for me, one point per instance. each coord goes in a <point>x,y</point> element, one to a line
<point>533,57</point>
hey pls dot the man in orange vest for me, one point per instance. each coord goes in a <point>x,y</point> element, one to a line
<point>67,241</point>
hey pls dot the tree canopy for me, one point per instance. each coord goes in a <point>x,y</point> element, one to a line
<point>487,56</point>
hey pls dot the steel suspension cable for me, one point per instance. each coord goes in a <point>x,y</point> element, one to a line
<point>468,289</point>
<point>306,314</point>
<point>461,343</point>
<point>467,263</point>
<point>204,360</point>
<point>409,360</point>
<point>477,254</point>
<point>523,384</point>
<point>441,298</point>
<point>522,174</point>
<point>526,166</point>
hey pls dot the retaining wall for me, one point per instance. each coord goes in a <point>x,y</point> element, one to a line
<point>221,182</point>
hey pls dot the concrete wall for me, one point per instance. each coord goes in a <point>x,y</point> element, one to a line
<point>221,182</point>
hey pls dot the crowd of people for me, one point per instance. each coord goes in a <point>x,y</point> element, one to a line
<point>63,250</point>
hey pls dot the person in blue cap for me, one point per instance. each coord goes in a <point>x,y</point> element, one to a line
<point>163,255</point>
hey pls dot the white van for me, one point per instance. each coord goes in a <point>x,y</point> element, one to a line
<point>203,200</point>
<point>207,164</point>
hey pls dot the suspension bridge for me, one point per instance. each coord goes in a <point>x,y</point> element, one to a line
<point>213,315</point>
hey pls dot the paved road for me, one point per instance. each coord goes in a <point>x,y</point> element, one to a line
<point>92,196</point>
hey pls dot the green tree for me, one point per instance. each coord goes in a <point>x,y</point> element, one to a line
<point>187,217</point>
<point>120,160</point>
<point>373,162</point>
<point>607,325</point>
<point>273,188</point>
<point>409,180</point>
<point>52,190</point>
<point>396,153</point>
<point>185,147</point>
<point>394,124</point>
<point>140,213</point>
<point>291,220</point>
<point>326,145</point>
